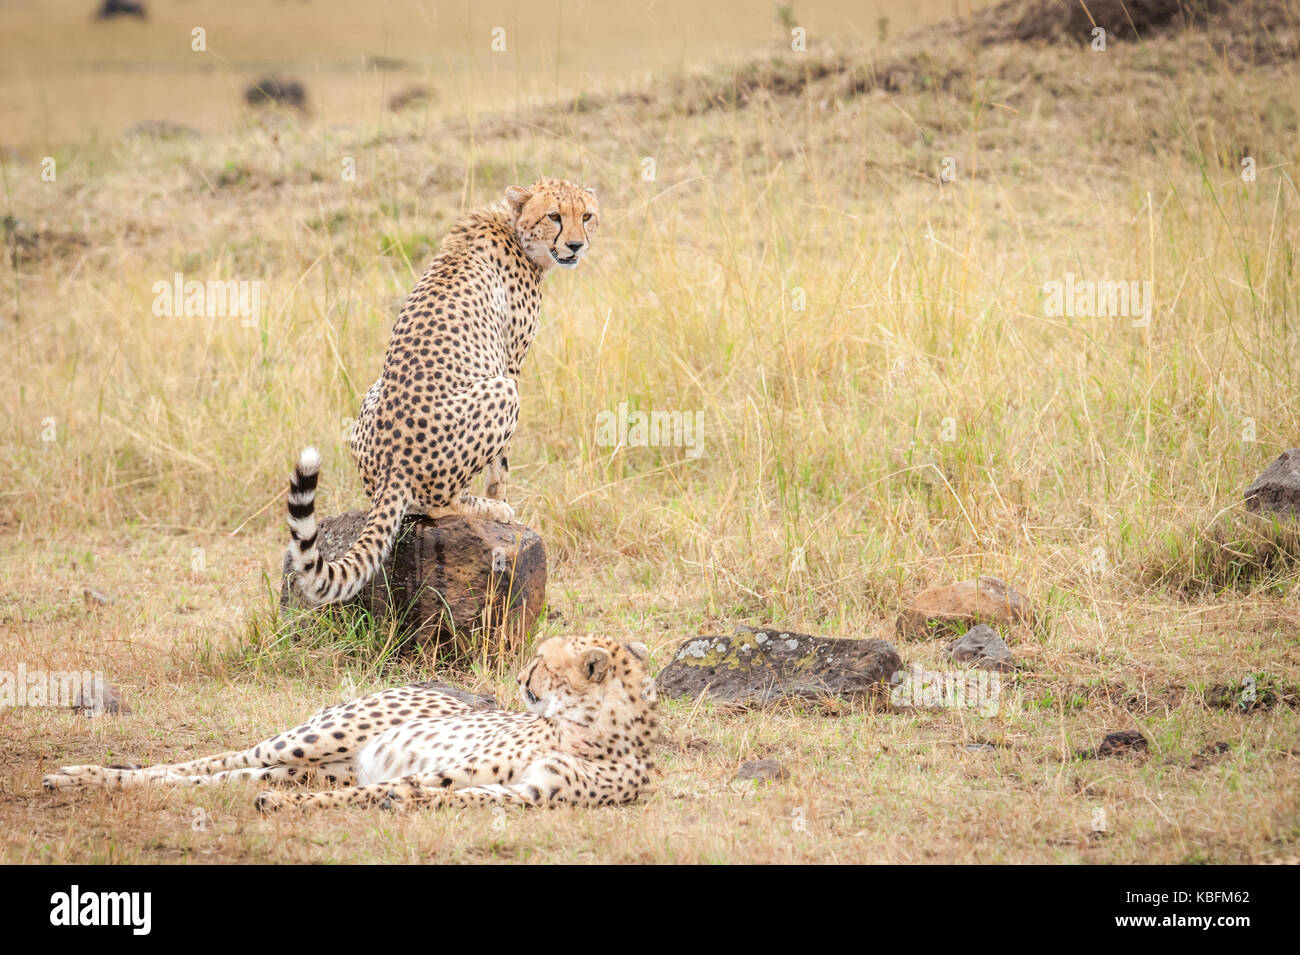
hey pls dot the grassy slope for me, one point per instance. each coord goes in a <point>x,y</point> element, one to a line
<point>823,430</point>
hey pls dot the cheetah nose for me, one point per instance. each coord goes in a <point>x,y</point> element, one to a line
<point>574,246</point>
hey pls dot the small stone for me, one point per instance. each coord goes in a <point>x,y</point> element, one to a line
<point>981,647</point>
<point>761,770</point>
<point>1207,754</point>
<point>94,598</point>
<point>1119,743</point>
<point>98,698</point>
<point>956,607</point>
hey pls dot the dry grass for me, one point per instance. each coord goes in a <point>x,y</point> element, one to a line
<point>1085,458</point>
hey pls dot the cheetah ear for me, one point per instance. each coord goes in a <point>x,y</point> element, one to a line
<point>638,650</point>
<point>590,191</point>
<point>517,196</point>
<point>595,663</point>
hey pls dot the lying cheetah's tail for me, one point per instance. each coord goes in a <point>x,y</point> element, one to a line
<point>317,580</point>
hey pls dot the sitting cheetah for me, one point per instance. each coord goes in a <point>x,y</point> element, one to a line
<point>445,407</point>
<point>584,741</point>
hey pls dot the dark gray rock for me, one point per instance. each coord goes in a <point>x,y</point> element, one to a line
<point>755,667</point>
<point>761,770</point>
<point>982,647</point>
<point>458,583</point>
<point>1277,490</point>
<point>480,701</point>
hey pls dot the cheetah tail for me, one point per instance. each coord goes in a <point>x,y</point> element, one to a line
<point>317,580</point>
<point>302,511</point>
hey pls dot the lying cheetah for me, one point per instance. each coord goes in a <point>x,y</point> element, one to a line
<point>445,407</point>
<point>584,741</point>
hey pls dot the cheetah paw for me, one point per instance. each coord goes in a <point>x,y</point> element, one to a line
<point>68,777</point>
<point>53,782</point>
<point>267,802</point>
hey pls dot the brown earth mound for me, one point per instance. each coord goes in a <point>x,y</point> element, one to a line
<point>1240,33</point>
<point>1260,29</point>
<point>1064,20</point>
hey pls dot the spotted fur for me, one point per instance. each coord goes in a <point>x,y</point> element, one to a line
<point>584,740</point>
<point>446,405</point>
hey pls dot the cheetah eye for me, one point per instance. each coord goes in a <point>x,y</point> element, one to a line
<point>586,217</point>
<point>554,217</point>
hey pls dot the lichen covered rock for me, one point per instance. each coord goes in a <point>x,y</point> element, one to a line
<point>755,667</point>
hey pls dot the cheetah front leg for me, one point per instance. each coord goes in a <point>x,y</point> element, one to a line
<point>428,791</point>
<point>407,797</point>
<point>330,774</point>
<point>371,795</point>
<point>498,473</point>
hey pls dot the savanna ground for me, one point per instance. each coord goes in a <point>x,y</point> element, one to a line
<point>886,404</point>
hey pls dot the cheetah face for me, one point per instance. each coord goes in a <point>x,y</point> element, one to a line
<point>540,680</point>
<point>554,221</point>
<point>564,671</point>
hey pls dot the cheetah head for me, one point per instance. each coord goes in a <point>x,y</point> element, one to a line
<point>554,221</point>
<point>570,675</point>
